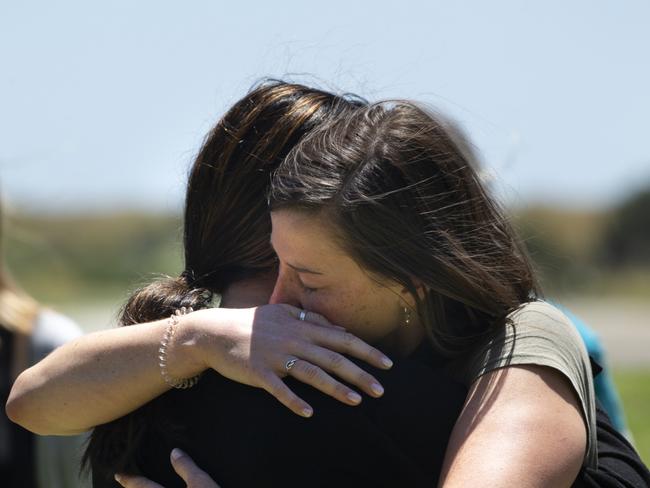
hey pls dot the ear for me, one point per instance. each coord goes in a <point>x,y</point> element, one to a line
<point>420,289</point>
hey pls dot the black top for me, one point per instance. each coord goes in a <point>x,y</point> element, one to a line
<point>618,463</point>
<point>243,437</point>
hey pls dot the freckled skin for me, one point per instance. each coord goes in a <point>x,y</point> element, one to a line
<point>343,292</point>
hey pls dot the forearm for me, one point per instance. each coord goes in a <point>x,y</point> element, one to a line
<point>105,375</point>
<point>93,380</point>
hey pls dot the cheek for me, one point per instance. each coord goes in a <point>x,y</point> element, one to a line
<point>335,307</point>
<point>360,311</point>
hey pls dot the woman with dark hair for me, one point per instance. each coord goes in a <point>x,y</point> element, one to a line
<point>227,252</point>
<point>335,201</point>
<point>228,257</point>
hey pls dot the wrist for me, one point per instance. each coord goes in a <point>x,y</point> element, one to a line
<point>218,335</point>
<point>183,356</point>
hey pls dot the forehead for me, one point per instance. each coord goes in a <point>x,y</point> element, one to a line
<point>299,235</point>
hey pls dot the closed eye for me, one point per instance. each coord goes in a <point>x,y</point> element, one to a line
<point>307,289</point>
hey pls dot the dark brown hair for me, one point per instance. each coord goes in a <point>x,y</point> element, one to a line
<point>226,230</point>
<point>226,219</point>
<point>400,188</point>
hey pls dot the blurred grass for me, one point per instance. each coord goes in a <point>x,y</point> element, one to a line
<point>634,387</point>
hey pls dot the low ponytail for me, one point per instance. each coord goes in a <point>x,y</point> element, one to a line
<point>226,232</point>
<point>162,298</point>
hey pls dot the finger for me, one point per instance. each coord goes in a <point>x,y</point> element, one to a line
<point>129,481</point>
<point>343,368</point>
<point>316,319</point>
<point>276,387</point>
<point>187,469</point>
<point>315,376</point>
<point>347,343</point>
<point>311,317</point>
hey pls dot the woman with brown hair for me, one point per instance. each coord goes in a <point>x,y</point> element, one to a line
<point>28,332</point>
<point>381,214</point>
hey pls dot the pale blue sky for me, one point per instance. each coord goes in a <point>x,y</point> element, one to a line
<point>103,104</point>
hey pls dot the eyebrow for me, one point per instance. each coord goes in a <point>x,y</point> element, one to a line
<point>303,270</point>
<point>299,269</point>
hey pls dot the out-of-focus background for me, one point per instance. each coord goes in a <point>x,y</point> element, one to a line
<point>102,107</point>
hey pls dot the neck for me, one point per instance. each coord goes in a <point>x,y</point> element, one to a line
<point>403,341</point>
<point>248,293</point>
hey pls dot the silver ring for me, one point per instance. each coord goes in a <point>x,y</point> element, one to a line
<point>289,364</point>
<point>302,315</point>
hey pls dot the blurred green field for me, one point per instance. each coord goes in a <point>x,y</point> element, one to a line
<point>89,258</point>
<point>634,387</point>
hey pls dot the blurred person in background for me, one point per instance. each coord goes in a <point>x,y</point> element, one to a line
<point>28,333</point>
<point>604,385</point>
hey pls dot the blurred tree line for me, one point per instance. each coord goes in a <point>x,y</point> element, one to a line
<point>604,251</point>
<point>95,257</point>
<point>102,257</point>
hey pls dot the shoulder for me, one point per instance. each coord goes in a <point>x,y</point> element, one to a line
<point>538,339</point>
<point>540,314</point>
<point>51,330</point>
<point>536,333</point>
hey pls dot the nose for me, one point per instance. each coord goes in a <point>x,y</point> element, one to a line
<point>286,289</point>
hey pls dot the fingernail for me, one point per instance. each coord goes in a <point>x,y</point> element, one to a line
<point>386,362</point>
<point>176,454</point>
<point>307,412</point>
<point>354,397</point>
<point>377,389</point>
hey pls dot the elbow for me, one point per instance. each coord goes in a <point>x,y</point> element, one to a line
<point>21,408</point>
<point>13,409</point>
<point>18,407</point>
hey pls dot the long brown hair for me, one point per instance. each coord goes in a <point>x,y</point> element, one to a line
<point>400,187</point>
<point>226,229</point>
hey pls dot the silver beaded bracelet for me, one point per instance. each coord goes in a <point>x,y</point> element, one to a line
<point>181,383</point>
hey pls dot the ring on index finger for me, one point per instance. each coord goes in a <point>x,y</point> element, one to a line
<point>302,315</point>
<point>289,364</point>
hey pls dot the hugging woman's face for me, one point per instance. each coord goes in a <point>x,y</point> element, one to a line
<point>316,274</point>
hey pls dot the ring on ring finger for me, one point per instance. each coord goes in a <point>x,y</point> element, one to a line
<point>290,364</point>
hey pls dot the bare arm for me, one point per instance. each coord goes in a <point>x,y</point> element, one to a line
<point>105,375</point>
<point>88,381</point>
<point>520,426</point>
